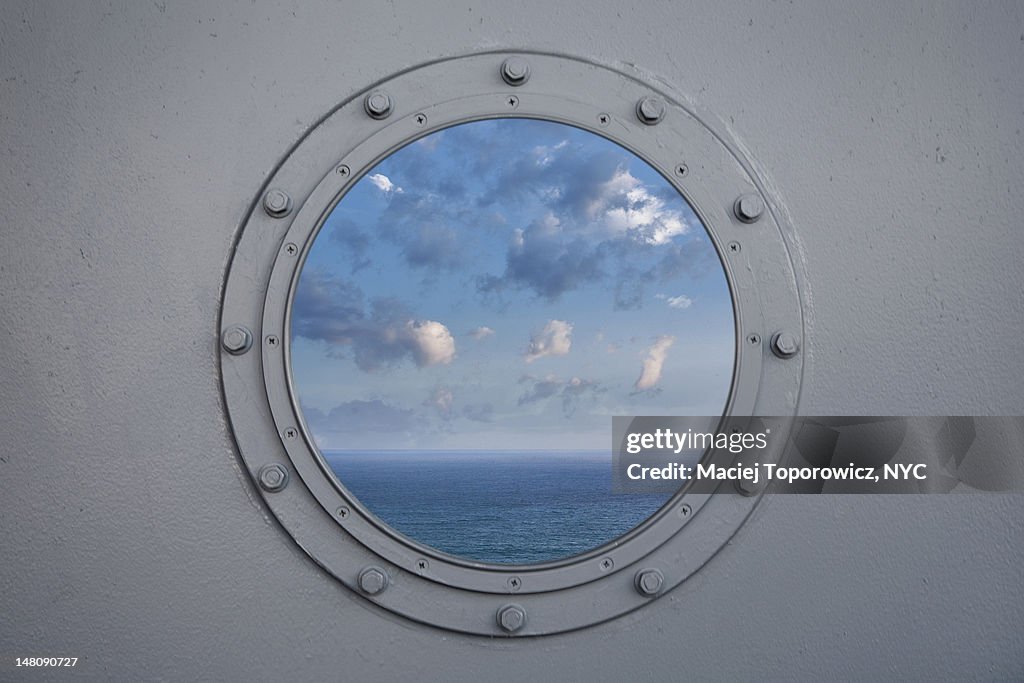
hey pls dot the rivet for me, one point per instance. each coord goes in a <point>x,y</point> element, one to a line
<point>511,618</point>
<point>648,582</point>
<point>273,477</point>
<point>515,71</point>
<point>236,340</point>
<point>650,110</point>
<point>373,580</point>
<point>277,203</point>
<point>378,104</point>
<point>785,344</point>
<point>748,208</point>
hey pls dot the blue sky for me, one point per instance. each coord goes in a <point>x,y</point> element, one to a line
<point>508,284</point>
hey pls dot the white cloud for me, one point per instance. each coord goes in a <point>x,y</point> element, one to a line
<point>681,302</point>
<point>432,342</point>
<point>383,183</point>
<point>625,204</point>
<point>554,340</point>
<point>650,373</point>
<point>482,332</point>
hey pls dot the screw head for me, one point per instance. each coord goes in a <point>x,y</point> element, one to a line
<point>749,208</point>
<point>515,71</point>
<point>378,104</point>
<point>373,580</point>
<point>236,340</point>
<point>273,477</point>
<point>785,344</point>
<point>511,618</point>
<point>277,203</point>
<point>650,110</point>
<point>648,582</point>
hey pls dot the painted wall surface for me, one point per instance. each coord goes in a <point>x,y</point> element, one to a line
<point>133,138</point>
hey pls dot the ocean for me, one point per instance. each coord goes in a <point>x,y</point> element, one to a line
<point>506,507</point>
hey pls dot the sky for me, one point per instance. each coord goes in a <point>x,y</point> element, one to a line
<point>508,284</point>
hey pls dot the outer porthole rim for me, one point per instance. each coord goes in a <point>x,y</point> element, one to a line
<point>422,597</point>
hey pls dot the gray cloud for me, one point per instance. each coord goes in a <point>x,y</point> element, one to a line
<point>331,309</point>
<point>570,392</point>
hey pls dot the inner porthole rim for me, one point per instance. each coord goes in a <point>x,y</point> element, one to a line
<point>571,565</point>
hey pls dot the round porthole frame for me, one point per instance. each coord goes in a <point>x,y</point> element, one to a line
<point>276,448</point>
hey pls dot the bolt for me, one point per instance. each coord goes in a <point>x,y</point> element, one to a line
<point>650,110</point>
<point>273,477</point>
<point>277,203</point>
<point>748,208</point>
<point>236,340</point>
<point>511,618</point>
<point>515,71</point>
<point>648,582</point>
<point>785,344</point>
<point>378,104</point>
<point>746,486</point>
<point>373,580</point>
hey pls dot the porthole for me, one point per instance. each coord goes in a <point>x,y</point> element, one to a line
<point>441,298</point>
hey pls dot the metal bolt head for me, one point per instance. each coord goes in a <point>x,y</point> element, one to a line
<point>515,71</point>
<point>273,477</point>
<point>378,104</point>
<point>373,580</point>
<point>648,582</point>
<point>277,203</point>
<point>511,618</point>
<point>785,344</point>
<point>650,110</point>
<point>749,208</point>
<point>236,340</point>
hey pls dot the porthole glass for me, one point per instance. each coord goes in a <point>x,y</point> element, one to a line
<point>474,311</point>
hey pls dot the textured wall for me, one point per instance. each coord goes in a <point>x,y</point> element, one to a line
<point>135,135</point>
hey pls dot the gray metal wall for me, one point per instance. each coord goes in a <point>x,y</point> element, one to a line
<point>133,137</point>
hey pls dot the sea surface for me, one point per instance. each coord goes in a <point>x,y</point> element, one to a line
<point>508,507</point>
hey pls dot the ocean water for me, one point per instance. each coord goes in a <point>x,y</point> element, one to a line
<point>508,507</point>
